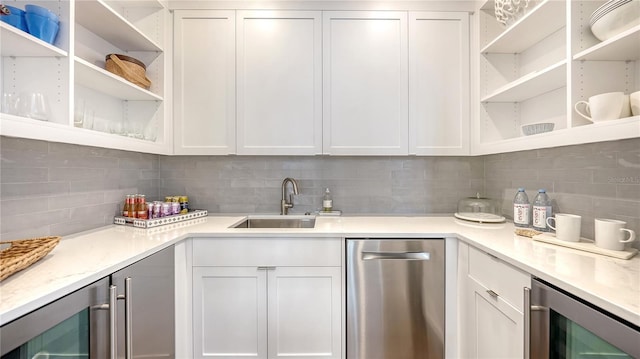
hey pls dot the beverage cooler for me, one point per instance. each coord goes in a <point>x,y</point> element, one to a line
<point>127,314</point>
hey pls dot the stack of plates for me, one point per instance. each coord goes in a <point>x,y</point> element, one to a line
<point>614,17</point>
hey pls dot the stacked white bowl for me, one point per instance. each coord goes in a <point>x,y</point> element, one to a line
<point>614,17</point>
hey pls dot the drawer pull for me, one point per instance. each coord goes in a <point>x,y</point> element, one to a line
<point>267,268</point>
<point>492,293</point>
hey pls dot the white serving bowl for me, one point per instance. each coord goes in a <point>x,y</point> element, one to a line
<point>617,20</point>
<point>536,128</point>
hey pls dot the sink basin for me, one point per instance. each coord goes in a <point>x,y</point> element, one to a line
<point>277,222</point>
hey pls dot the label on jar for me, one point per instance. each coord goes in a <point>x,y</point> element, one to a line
<point>521,213</point>
<point>540,216</point>
<point>327,204</point>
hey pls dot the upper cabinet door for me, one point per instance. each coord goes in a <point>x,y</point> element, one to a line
<point>439,83</point>
<point>279,67</point>
<point>204,82</point>
<point>365,98</point>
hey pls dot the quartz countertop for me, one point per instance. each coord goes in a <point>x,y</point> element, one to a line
<point>80,259</point>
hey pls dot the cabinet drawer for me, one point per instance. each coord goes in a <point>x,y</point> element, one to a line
<point>503,279</point>
<point>319,252</point>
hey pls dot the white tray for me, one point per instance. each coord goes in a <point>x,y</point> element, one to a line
<point>586,245</point>
<point>156,222</point>
<point>480,217</point>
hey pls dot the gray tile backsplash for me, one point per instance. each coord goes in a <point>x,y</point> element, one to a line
<point>593,180</point>
<point>51,188</point>
<point>359,185</point>
<point>55,189</point>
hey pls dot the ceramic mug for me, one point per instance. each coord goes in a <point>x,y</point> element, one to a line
<point>567,226</point>
<point>610,234</point>
<point>605,107</point>
<point>634,100</point>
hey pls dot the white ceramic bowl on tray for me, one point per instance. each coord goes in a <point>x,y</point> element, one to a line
<point>536,128</point>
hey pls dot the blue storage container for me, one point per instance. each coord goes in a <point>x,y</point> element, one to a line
<point>16,18</point>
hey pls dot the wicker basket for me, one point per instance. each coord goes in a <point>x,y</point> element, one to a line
<point>23,253</point>
<point>130,69</point>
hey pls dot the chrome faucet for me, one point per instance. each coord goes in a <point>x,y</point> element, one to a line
<point>284,205</point>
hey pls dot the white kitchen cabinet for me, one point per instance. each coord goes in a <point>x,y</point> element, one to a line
<point>537,68</point>
<point>279,71</point>
<point>365,72</point>
<point>204,82</point>
<point>267,298</point>
<point>114,112</point>
<point>491,306</point>
<point>229,312</point>
<point>439,83</point>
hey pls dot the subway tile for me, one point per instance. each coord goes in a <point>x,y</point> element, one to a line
<point>65,160</point>
<point>9,207</point>
<point>25,190</point>
<point>75,200</point>
<point>23,145</point>
<point>27,233</point>
<point>38,219</point>
<point>596,190</point>
<point>622,176</point>
<point>24,175</point>
<point>628,192</point>
<point>11,158</point>
<point>72,174</point>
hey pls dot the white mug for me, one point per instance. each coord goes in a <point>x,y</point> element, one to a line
<point>605,107</point>
<point>610,234</point>
<point>567,226</point>
<point>634,100</point>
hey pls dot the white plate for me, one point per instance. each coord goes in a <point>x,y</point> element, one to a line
<point>480,217</point>
<point>617,20</point>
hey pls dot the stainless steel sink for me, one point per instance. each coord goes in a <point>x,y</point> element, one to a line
<point>277,222</point>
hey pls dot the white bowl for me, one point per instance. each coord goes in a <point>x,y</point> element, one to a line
<point>536,128</point>
<point>617,20</point>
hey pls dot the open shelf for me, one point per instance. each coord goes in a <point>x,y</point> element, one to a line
<point>531,85</point>
<point>100,19</point>
<point>16,42</point>
<point>622,47</point>
<point>16,126</point>
<point>91,76</point>
<point>597,132</point>
<point>540,22</point>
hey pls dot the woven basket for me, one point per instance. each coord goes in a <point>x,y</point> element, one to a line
<point>23,253</point>
<point>127,67</point>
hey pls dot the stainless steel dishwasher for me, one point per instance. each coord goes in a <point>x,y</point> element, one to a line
<point>395,298</point>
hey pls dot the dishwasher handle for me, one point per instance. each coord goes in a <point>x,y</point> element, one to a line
<point>411,256</point>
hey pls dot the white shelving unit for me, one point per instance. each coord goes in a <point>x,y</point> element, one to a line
<point>69,77</point>
<point>93,77</point>
<point>101,19</point>
<point>18,43</point>
<point>541,21</point>
<point>532,88</point>
<point>624,46</point>
<point>531,85</point>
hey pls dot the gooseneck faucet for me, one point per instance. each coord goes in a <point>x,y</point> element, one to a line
<point>284,205</point>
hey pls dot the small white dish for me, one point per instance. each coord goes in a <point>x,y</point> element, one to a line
<point>536,128</point>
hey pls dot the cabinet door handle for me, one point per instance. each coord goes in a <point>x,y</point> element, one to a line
<point>492,293</point>
<point>527,323</point>
<point>113,317</point>
<point>127,319</point>
<point>415,256</point>
<point>266,268</point>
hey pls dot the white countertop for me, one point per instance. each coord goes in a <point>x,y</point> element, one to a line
<point>78,260</point>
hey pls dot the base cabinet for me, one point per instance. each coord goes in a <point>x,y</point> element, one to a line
<point>491,306</point>
<point>266,312</point>
<point>267,298</point>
